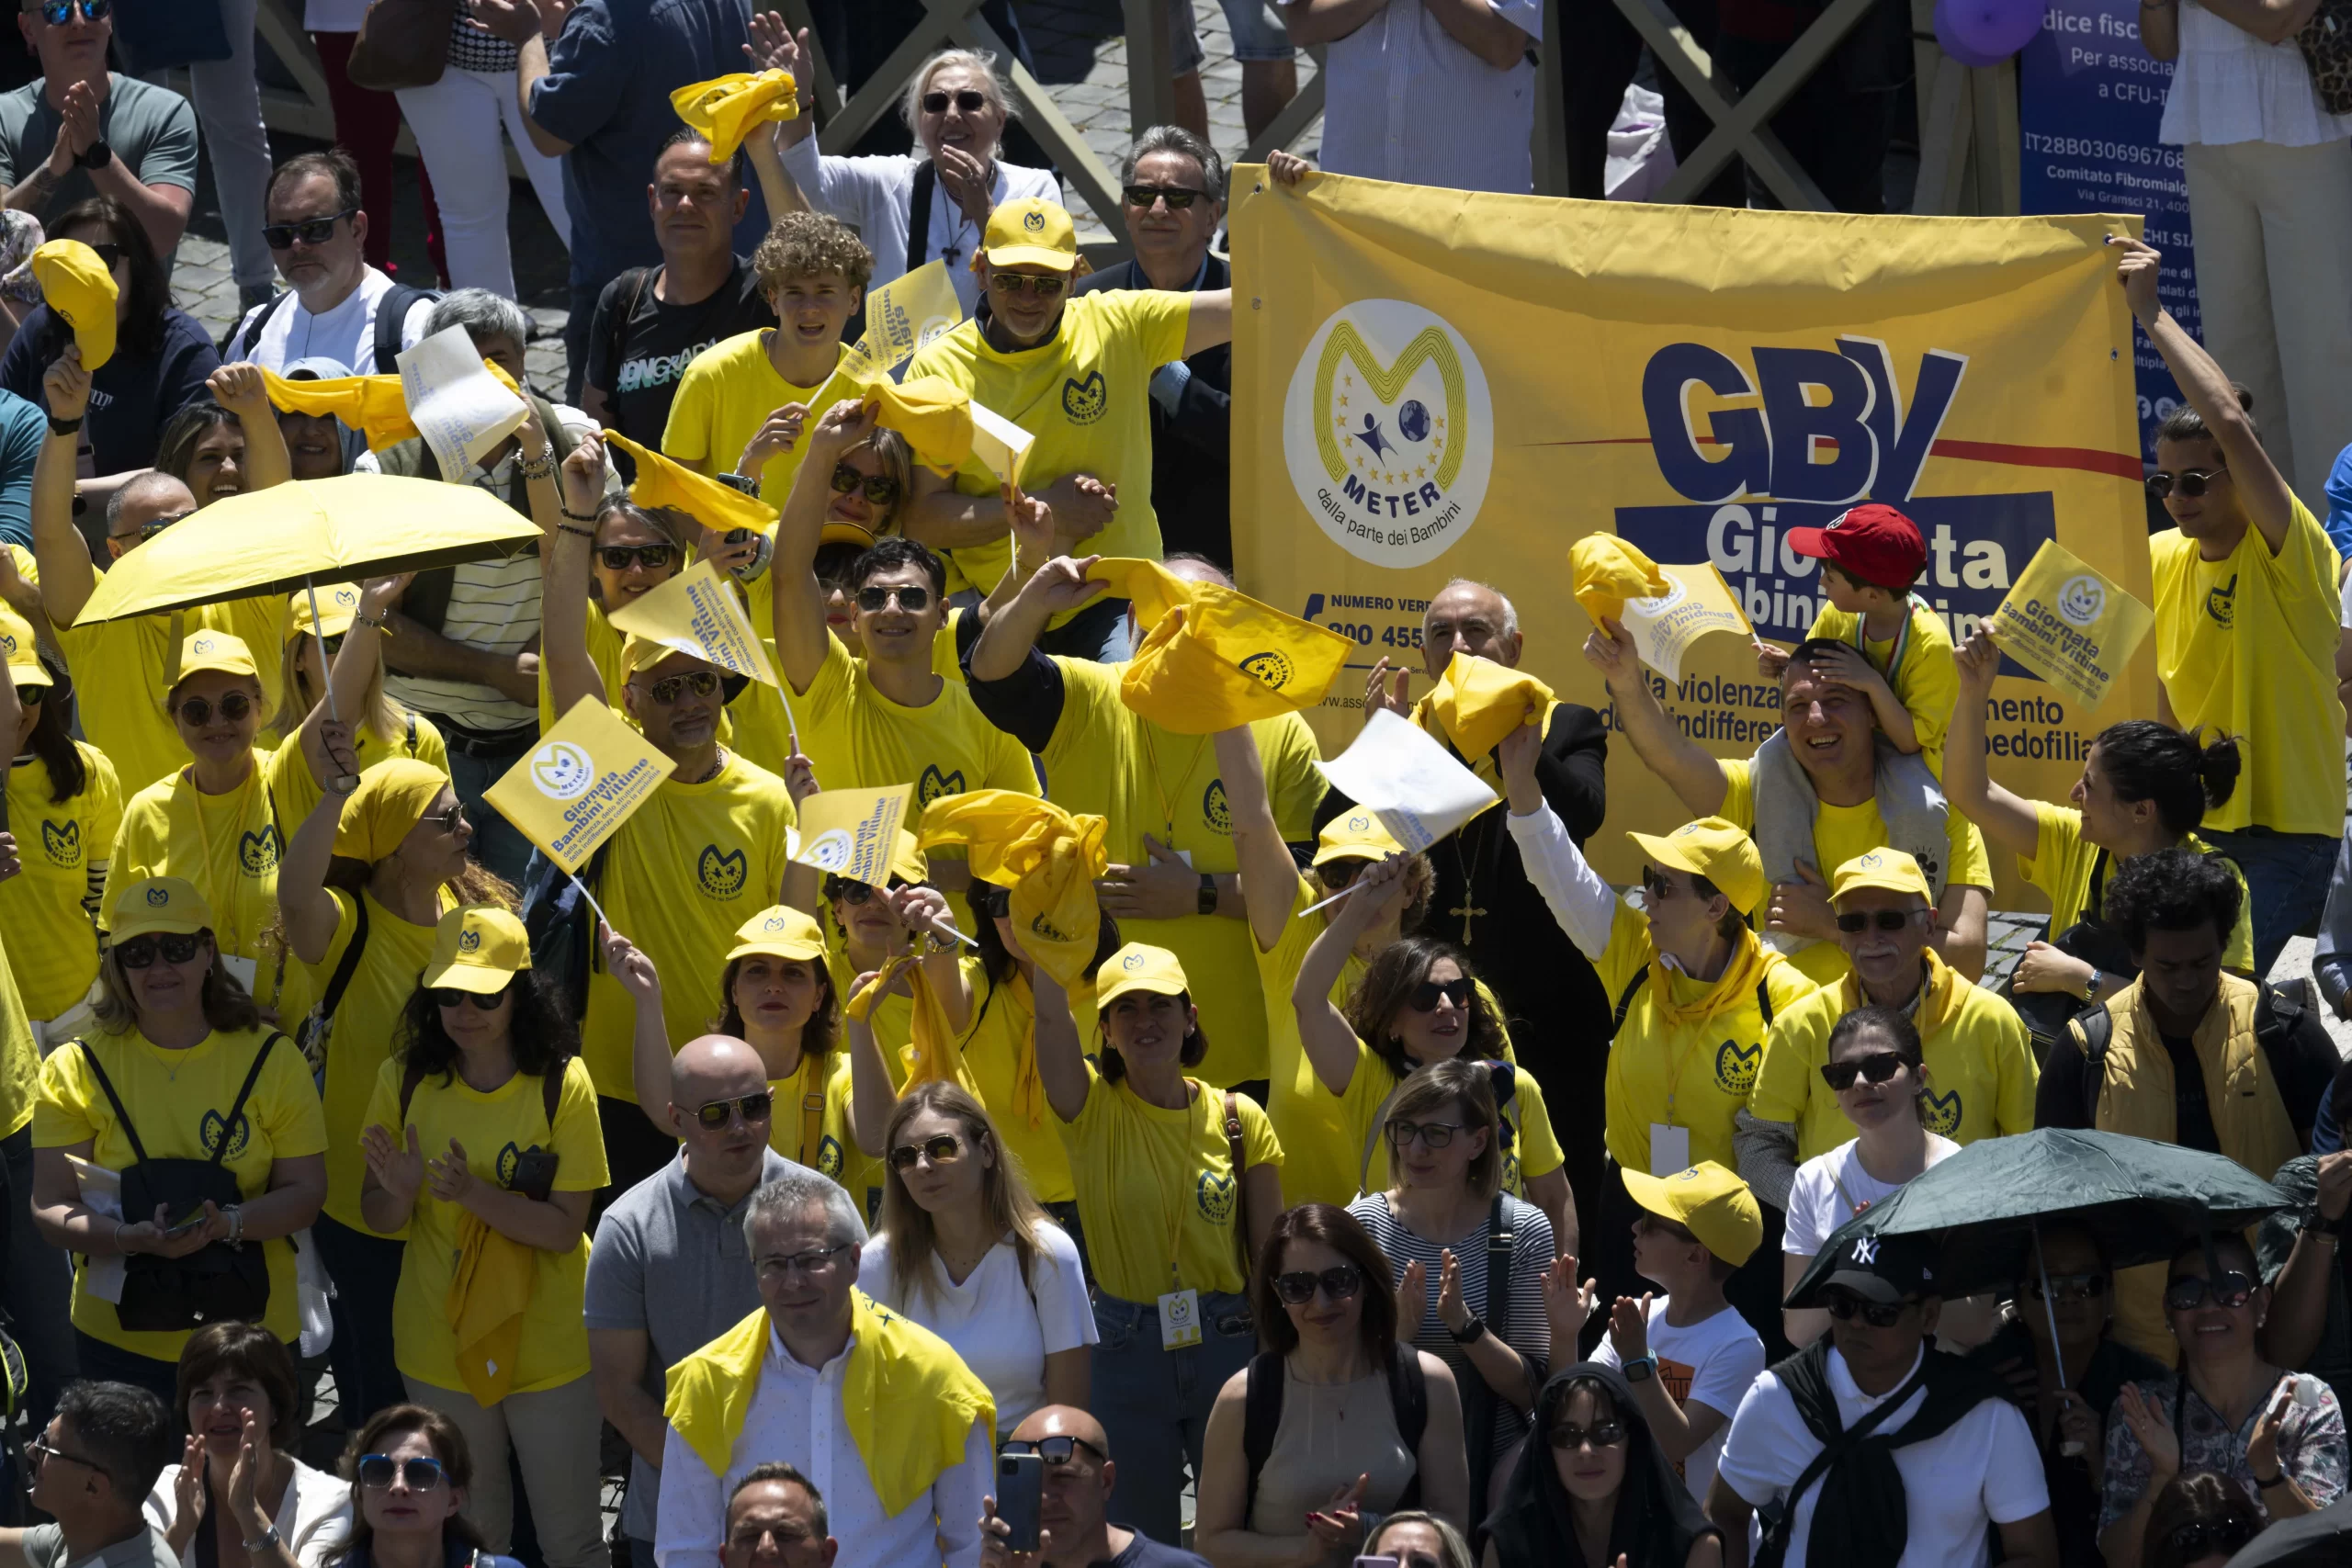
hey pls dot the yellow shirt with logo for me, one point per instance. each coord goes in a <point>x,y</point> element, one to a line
<point>1107,761</point>
<point>1319,1142</point>
<point>1981,1073</point>
<point>2061,865</point>
<point>858,739</point>
<point>1085,394</point>
<point>495,1129</point>
<point>681,874</point>
<point>723,398</point>
<point>179,1102</point>
<point>119,685</point>
<point>20,1057</point>
<point>1000,1053</point>
<point>1160,1183</point>
<point>1927,684</point>
<point>1697,1076</point>
<point>1530,1148</point>
<point>366,1023</point>
<point>52,946</point>
<point>228,846</point>
<point>832,1151</point>
<point>1842,832</point>
<point>294,792</point>
<point>2246,644</point>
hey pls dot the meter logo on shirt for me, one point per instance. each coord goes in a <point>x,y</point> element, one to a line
<point>257,853</point>
<point>1215,1195</point>
<point>1736,1066</point>
<point>1215,810</point>
<point>61,842</point>
<point>209,1130</point>
<point>721,874</point>
<point>1943,1113</point>
<point>1083,403</point>
<point>2221,603</point>
<point>829,1157</point>
<point>936,786</point>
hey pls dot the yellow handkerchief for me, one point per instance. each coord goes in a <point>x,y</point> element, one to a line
<point>1479,701</point>
<point>1608,571</point>
<point>931,1051</point>
<point>726,107</point>
<point>933,414</point>
<point>376,406</point>
<point>489,1294</point>
<point>1223,659</point>
<point>80,288</point>
<point>661,483</point>
<point>1048,856</point>
<point>1150,587</point>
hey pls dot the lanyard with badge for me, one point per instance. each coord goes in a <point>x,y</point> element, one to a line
<point>1180,1308</point>
<point>1671,1144</point>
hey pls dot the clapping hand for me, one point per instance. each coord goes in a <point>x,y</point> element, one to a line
<point>399,1171</point>
<point>1629,1327</point>
<point>2151,1429</point>
<point>448,1175</point>
<point>1338,1524</point>
<point>1567,1304</point>
<point>1412,1299</point>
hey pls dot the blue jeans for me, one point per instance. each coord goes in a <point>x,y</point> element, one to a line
<point>1154,1403</point>
<point>498,843</point>
<point>366,1270</point>
<point>2286,879</point>
<point>36,1282</point>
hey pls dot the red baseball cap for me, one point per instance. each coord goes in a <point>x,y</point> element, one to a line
<point>1874,543</point>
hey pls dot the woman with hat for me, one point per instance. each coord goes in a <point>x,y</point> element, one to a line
<point>482,1135</point>
<point>1170,1222</point>
<point>180,1067</point>
<point>349,617</point>
<point>367,878</point>
<point>632,551</point>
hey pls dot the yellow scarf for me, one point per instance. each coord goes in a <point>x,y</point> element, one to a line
<point>932,1050</point>
<point>1938,994</point>
<point>909,1401</point>
<point>1750,962</point>
<point>488,1295</point>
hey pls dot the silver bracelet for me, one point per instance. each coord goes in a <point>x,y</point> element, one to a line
<point>543,465</point>
<point>235,1215</point>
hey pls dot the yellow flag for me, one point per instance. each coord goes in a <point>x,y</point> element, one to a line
<point>1048,856</point>
<point>726,107</point>
<point>1226,659</point>
<point>2070,624</point>
<point>1695,603</point>
<point>1479,701</point>
<point>580,784</point>
<point>1150,587</point>
<point>1607,571</point>
<point>900,317</point>
<point>80,288</point>
<point>696,614</point>
<point>663,482</point>
<point>853,832</point>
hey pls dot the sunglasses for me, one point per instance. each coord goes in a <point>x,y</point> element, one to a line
<point>1424,998</point>
<point>2189,481</point>
<point>847,890</point>
<point>1568,1438</point>
<point>945,1149</point>
<point>880,489</point>
<point>2200,1539</point>
<point>2069,1288</point>
<point>449,821</point>
<point>1883,920</point>
<point>140,951</point>
<point>1054,1449</point>
<point>1876,1067</point>
<point>1658,1224</point>
<point>451,996</point>
<point>988,901</point>
<point>309,232</point>
<point>1340,1282</point>
<point>375,1472</point>
<point>620,558</point>
<point>57,13</point>
<point>666,690</point>
<point>1177,197</point>
<point>967,100</point>
<point>2232,1291</point>
<point>149,529</point>
<point>1338,874</point>
<point>751,1107</point>
<point>1845,1306</point>
<point>109,251</point>
<point>196,713</point>
<point>1432,1134</point>
<point>1045,286</point>
<point>1655,884</point>
<point>913,600</point>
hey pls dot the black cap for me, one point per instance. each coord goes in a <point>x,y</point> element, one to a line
<point>1884,1269</point>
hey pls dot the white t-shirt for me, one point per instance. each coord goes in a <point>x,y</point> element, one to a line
<point>347,333</point>
<point>1715,1361</point>
<point>1831,1188</point>
<point>1003,1329</point>
<point>1984,1467</point>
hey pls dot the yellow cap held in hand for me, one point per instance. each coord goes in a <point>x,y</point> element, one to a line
<point>1886,868</point>
<point>1715,850</point>
<point>1708,1201</point>
<point>1479,701</point>
<point>663,482</point>
<point>933,414</point>
<point>480,948</point>
<point>81,289</point>
<point>725,108</point>
<point>166,903</point>
<point>1607,571</point>
<point>1136,967</point>
<point>1048,857</point>
<point>1220,659</point>
<point>779,932</point>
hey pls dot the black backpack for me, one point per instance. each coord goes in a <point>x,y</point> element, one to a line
<point>2277,1016</point>
<point>560,924</point>
<point>1262,1412</point>
<point>1633,985</point>
<point>391,315</point>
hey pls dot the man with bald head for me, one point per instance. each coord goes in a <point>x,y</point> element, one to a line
<point>683,1226</point>
<point>1077,1529</point>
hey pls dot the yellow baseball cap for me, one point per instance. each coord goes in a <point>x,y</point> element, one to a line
<point>1136,967</point>
<point>1708,1201</point>
<point>1881,867</point>
<point>1032,231</point>
<point>23,654</point>
<point>222,651</point>
<point>79,289</point>
<point>779,932</point>
<point>479,948</point>
<point>839,533</point>
<point>166,903</point>
<point>1354,835</point>
<point>1715,850</point>
<point>338,602</point>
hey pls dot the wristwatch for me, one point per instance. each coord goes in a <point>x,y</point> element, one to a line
<point>65,426</point>
<point>265,1542</point>
<point>1208,892</point>
<point>2318,1224</point>
<point>1470,1333</point>
<point>1640,1369</point>
<point>98,155</point>
<point>2090,987</point>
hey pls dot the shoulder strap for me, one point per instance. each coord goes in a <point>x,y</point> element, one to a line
<point>2277,1016</point>
<point>411,1075</point>
<point>919,213</point>
<point>1764,1001</point>
<point>391,315</point>
<point>115,1099</point>
<point>411,735</point>
<point>1776,1535</point>
<point>1408,1402</point>
<point>348,965</point>
<point>2094,1028</point>
<point>1500,1241</point>
<point>1625,999</point>
<point>2094,891</point>
<point>616,323</point>
<point>1240,1167</point>
<point>1261,1416</point>
<point>252,1076</point>
<point>552,1090</point>
<point>252,334</point>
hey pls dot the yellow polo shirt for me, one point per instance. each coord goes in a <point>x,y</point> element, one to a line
<point>858,739</point>
<point>2061,866</point>
<point>829,1147</point>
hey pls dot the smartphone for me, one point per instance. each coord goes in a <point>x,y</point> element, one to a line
<point>1020,1496</point>
<point>185,1226</point>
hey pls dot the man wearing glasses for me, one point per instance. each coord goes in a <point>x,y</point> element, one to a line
<point>1948,1442</point>
<point>340,308</point>
<point>91,1470</point>
<point>1076,1530</point>
<point>79,130</point>
<point>1075,374</point>
<point>671,1270</point>
<point>894,1429</point>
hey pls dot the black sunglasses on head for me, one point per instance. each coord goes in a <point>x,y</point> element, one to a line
<point>1177,197</point>
<point>969,101</point>
<point>309,232</point>
<point>1845,1306</point>
<point>620,558</point>
<point>751,1107</point>
<point>196,713</point>
<point>1885,919</point>
<point>2231,1291</point>
<point>451,996</point>
<point>142,951</point>
<point>1876,1067</point>
<point>2188,481</point>
<point>1341,1282</point>
<point>1056,1449</point>
<point>880,489</point>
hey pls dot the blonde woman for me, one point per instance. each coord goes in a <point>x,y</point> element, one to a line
<point>383,726</point>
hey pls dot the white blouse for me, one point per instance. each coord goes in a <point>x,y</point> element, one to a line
<point>314,1517</point>
<point>1002,1327</point>
<point>2229,85</point>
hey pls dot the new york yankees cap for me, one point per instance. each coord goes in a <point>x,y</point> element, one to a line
<point>1884,1269</point>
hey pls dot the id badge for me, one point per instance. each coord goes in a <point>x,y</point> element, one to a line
<point>241,969</point>
<point>1669,1149</point>
<point>1179,1319</point>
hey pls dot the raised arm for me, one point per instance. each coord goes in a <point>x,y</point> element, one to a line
<point>67,578</point>
<point>1579,899</point>
<point>238,387</point>
<point>310,913</point>
<point>650,1045</point>
<point>1210,321</point>
<point>353,669</point>
<point>1061,1066</point>
<point>1694,776</point>
<point>1269,875</point>
<point>800,635</point>
<point>871,1099</point>
<point>926,912</point>
<point>564,612</point>
<point>1329,1040</point>
<point>2007,819</point>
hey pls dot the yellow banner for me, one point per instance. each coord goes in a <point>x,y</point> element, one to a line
<point>2070,626</point>
<point>696,614</point>
<point>1432,384</point>
<point>900,317</point>
<point>580,784</point>
<point>853,832</point>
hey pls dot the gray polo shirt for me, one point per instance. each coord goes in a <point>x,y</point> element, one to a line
<point>152,129</point>
<point>44,1547</point>
<point>670,1261</point>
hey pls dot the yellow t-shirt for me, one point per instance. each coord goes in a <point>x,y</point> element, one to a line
<point>834,1151</point>
<point>858,739</point>
<point>1160,1179</point>
<point>19,1059</point>
<point>694,863</point>
<point>2061,866</point>
<point>1106,760</point>
<point>364,1024</point>
<point>1697,1076</point>
<point>1000,1049</point>
<point>227,845</point>
<point>1927,684</point>
<point>1530,1149</point>
<point>723,398</point>
<point>1981,1073</point>
<point>118,686</point>
<point>494,1129</point>
<point>1085,396</point>
<point>2278,694</point>
<point>178,1100</point>
<point>1319,1143</point>
<point>294,792</point>
<point>1842,832</point>
<point>52,946</point>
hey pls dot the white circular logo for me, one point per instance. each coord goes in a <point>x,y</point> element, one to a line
<point>2080,600</point>
<point>562,771</point>
<point>829,850</point>
<point>935,326</point>
<point>1658,604</point>
<point>1389,432</point>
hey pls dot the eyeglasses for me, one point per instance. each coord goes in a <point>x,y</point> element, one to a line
<point>1876,1067</point>
<point>196,713</point>
<point>1568,1438</point>
<point>989,900</point>
<point>155,526</point>
<point>1340,1282</point>
<point>140,951</point>
<point>449,821</point>
<point>41,1454</point>
<point>1338,874</point>
<point>666,691</point>
<point>751,1108</point>
<point>1177,197</point>
<point>945,1149</point>
<point>913,600</point>
<point>2231,1291</point>
<point>1044,284</point>
<point>782,1268</point>
<point>1053,1451</point>
<point>451,996</point>
<point>880,489</point>
<point>847,890</point>
<point>2200,1539</point>
<point>1658,1224</point>
<point>1424,996</point>
<point>2069,1288</point>
<point>57,13</point>
<point>2189,481</point>
<point>309,231</point>
<point>967,100</point>
<point>1432,1134</point>
<point>620,558</point>
<point>375,1472</point>
<point>1883,920</point>
<point>1844,1305</point>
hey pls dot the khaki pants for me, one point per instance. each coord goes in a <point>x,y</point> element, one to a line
<point>554,1434</point>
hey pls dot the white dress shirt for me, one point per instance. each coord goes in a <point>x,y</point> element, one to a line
<point>876,197</point>
<point>1410,102</point>
<point>795,1416</point>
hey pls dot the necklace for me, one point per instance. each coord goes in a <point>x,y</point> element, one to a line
<point>1468,908</point>
<point>1160,785</point>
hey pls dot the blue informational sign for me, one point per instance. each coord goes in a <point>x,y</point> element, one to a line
<point>2090,101</point>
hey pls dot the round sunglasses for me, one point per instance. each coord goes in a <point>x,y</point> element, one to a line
<point>880,489</point>
<point>196,713</point>
<point>2188,481</point>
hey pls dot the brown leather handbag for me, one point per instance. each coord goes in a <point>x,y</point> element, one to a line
<point>402,43</point>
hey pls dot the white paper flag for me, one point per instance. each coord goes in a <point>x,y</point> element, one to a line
<point>1664,629</point>
<point>460,409</point>
<point>1417,788</point>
